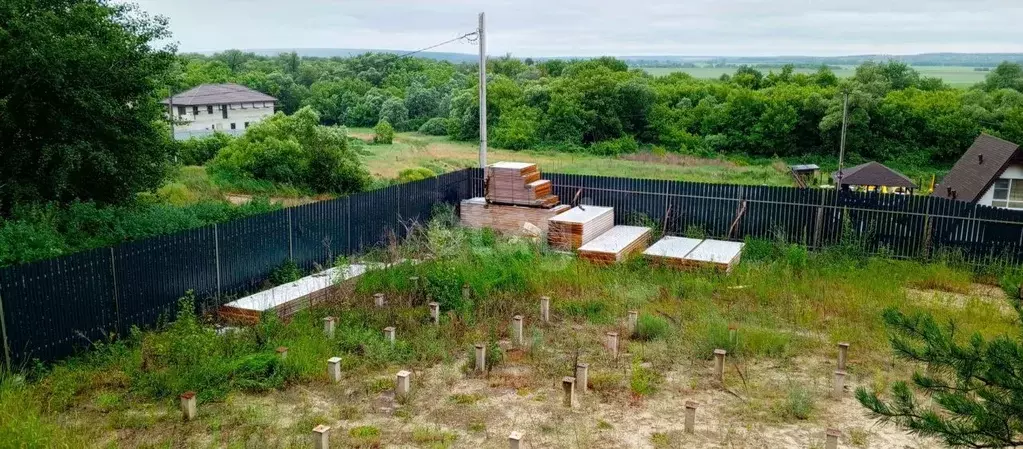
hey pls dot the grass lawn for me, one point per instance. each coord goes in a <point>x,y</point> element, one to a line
<point>955,76</point>
<point>790,309</point>
<point>441,154</point>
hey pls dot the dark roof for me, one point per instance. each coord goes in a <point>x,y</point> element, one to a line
<point>218,94</point>
<point>873,174</point>
<point>804,167</point>
<point>983,162</point>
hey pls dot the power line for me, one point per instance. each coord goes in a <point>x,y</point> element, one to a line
<point>464,36</point>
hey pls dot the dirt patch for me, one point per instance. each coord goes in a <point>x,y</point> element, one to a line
<point>987,294</point>
<point>238,199</point>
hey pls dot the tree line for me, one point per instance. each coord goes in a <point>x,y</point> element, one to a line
<point>602,106</point>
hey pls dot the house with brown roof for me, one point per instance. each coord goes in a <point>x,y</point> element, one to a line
<point>872,176</point>
<point>218,107</point>
<point>989,173</point>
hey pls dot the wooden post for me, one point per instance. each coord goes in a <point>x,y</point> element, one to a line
<point>403,384</point>
<point>515,440</point>
<point>517,330</point>
<point>633,320</point>
<point>321,437</point>
<point>831,438</point>
<point>568,387</point>
<point>328,326</point>
<point>612,344</point>
<point>481,357</point>
<point>690,416</point>
<point>389,334</point>
<point>843,350</point>
<point>545,309</point>
<point>839,384</point>
<point>379,300</point>
<point>334,369</point>
<point>435,312</point>
<point>719,364</point>
<point>188,410</point>
<point>581,377</point>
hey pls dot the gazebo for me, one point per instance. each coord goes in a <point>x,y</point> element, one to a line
<point>873,176</point>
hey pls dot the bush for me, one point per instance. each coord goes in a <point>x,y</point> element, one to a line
<point>383,132</point>
<point>798,404</point>
<point>621,145</point>
<point>437,126</point>
<point>415,174</point>
<point>294,150</point>
<point>644,381</point>
<point>651,327</point>
<point>200,150</point>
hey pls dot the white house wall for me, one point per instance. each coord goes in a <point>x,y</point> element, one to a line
<point>238,113</point>
<point>1012,172</point>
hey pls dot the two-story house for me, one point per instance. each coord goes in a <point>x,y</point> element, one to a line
<point>218,107</point>
<point>990,173</point>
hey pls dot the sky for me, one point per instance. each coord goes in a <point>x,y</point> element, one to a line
<point>603,27</point>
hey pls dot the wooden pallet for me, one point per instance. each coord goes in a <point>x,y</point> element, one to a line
<point>579,226</point>
<point>615,245</point>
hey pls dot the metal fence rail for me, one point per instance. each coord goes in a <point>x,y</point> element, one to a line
<point>50,308</point>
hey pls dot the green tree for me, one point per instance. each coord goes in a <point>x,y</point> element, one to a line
<point>296,150</point>
<point>973,384</point>
<point>393,111</point>
<point>1006,76</point>
<point>383,132</point>
<point>78,114</point>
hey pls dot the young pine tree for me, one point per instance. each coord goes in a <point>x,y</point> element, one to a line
<point>975,386</point>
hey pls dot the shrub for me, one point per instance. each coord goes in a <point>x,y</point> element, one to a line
<point>200,150</point>
<point>644,381</point>
<point>294,150</point>
<point>651,327</point>
<point>383,132</point>
<point>437,126</point>
<point>614,147</point>
<point>286,272</point>
<point>798,403</point>
<point>415,174</point>
<point>177,194</point>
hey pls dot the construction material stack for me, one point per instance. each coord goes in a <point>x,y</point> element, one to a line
<point>615,245</point>
<point>686,253</point>
<point>579,226</point>
<point>519,183</point>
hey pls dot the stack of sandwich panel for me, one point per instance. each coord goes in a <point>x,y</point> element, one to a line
<point>518,183</point>
<point>579,226</point>
<point>615,245</point>
<point>671,251</point>
<point>682,252</point>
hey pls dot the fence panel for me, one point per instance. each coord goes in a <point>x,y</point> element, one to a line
<point>153,274</point>
<point>249,249</point>
<point>53,307</point>
<point>373,215</point>
<point>319,233</point>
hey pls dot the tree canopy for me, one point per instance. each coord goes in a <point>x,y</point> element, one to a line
<point>79,114</point>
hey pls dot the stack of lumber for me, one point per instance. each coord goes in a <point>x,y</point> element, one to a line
<point>615,245</point>
<point>519,183</point>
<point>476,213</point>
<point>687,253</point>
<point>579,226</point>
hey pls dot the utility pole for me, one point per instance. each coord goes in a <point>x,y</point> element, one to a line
<point>483,91</point>
<point>841,148</point>
<point>170,103</point>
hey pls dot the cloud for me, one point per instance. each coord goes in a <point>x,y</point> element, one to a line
<point>604,27</point>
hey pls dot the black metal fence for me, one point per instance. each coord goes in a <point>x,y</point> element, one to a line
<point>51,307</point>
<point>893,225</point>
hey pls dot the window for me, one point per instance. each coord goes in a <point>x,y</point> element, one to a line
<point>223,110</point>
<point>232,126</point>
<point>181,110</point>
<point>195,110</point>
<point>1008,193</point>
<point>246,124</point>
<point>209,109</point>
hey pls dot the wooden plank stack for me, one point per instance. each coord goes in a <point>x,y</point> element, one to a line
<point>519,183</point>
<point>476,213</point>
<point>579,226</point>
<point>615,245</point>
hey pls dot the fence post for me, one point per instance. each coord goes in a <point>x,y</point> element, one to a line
<point>216,257</point>
<point>3,333</point>
<point>113,281</point>
<point>819,222</point>
<point>928,230</point>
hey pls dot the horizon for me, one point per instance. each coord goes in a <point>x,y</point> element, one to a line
<point>742,28</point>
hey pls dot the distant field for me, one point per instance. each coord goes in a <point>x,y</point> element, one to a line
<point>953,75</point>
